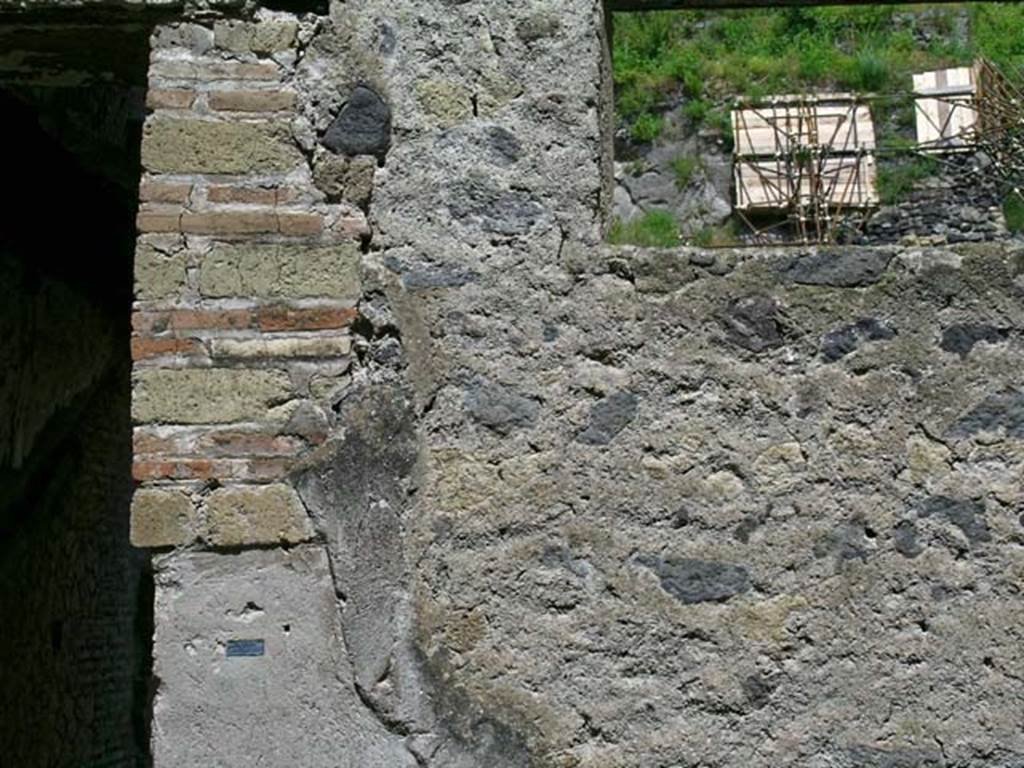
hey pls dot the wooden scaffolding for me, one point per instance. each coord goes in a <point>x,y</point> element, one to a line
<point>806,161</point>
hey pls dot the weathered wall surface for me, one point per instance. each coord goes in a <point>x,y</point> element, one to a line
<point>300,173</point>
<point>761,511</point>
<point>247,277</point>
<point>440,480</point>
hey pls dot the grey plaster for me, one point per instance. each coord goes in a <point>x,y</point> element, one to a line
<point>294,705</point>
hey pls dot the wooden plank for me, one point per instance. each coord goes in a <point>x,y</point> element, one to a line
<point>780,128</point>
<point>843,182</point>
<point>846,182</point>
<point>762,185</point>
<point>949,90</point>
<point>944,111</point>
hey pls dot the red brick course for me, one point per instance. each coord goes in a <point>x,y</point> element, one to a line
<point>261,222</point>
<point>254,469</point>
<point>151,222</point>
<point>230,194</point>
<point>214,70</point>
<point>300,224</point>
<point>173,469</point>
<point>270,318</point>
<point>191,319</point>
<point>229,222</point>
<point>215,443</point>
<point>144,348</point>
<point>284,318</point>
<point>164,192</point>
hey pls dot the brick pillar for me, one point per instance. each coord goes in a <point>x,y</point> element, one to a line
<point>247,278</point>
<point>246,285</point>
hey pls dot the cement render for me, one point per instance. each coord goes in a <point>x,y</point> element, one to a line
<point>293,704</point>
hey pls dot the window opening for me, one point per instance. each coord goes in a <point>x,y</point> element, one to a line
<point>801,125</point>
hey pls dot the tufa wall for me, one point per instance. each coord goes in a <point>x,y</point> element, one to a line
<point>433,478</point>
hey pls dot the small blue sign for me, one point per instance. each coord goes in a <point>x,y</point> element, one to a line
<point>245,648</point>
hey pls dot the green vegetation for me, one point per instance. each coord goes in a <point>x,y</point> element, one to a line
<point>714,57</point>
<point>996,30</point>
<point>716,237</point>
<point>656,229</point>
<point>897,178</point>
<point>686,168</point>
<point>646,127</point>
<point>707,60</point>
<point>1013,210</point>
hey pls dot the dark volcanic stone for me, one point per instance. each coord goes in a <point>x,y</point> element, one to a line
<point>363,127</point>
<point>503,143</point>
<point>538,26</point>
<point>752,323</point>
<point>427,275</point>
<point>960,339</point>
<point>702,258</point>
<point>966,514</point>
<point>746,527</point>
<point>1002,409</point>
<point>843,341</point>
<point>757,689</point>
<point>437,277</point>
<point>872,330</point>
<point>657,271</point>
<point>843,267</point>
<point>492,144</point>
<point>387,40</point>
<point>504,212</point>
<point>609,417</point>
<point>873,757</point>
<point>846,542</point>
<point>500,408</point>
<point>839,343</point>
<point>698,581</point>
<point>904,537</point>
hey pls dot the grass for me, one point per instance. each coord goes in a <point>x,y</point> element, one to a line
<point>714,237</point>
<point>711,58</point>
<point>897,177</point>
<point>996,32</point>
<point>646,127</point>
<point>868,71</point>
<point>1013,210</point>
<point>655,229</point>
<point>686,168</point>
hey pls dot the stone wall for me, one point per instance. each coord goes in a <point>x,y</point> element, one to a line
<point>766,512</point>
<point>960,203</point>
<point>434,478</point>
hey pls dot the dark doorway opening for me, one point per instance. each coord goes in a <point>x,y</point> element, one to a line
<point>74,596</point>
